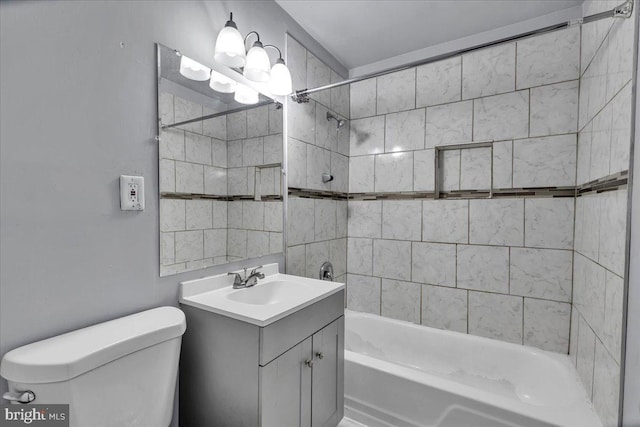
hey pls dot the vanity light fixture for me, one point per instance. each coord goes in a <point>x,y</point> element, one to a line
<point>193,70</point>
<point>230,51</point>
<point>280,82</point>
<point>221,83</point>
<point>257,67</point>
<point>246,95</point>
<point>229,48</point>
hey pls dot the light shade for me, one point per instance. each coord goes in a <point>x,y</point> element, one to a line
<point>221,83</point>
<point>193,70</point>
<point>280,83</point>
<point>246,95</point>
<point>229,48</point>
<point>258,66</point>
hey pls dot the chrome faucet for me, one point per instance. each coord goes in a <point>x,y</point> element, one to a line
<point>248,281</point>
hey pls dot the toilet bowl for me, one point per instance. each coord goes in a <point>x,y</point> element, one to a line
<point>118,373</point>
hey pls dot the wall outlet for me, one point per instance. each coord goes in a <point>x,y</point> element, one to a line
<point>131,193</point>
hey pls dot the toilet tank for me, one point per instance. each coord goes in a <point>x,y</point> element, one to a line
<point>118,373</point>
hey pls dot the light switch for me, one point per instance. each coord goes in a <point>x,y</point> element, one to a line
<point>131,193</point>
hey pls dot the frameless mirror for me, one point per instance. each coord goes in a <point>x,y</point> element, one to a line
<point>220,165</point>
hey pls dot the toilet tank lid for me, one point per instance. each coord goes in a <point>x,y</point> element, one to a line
<point>66,356</point>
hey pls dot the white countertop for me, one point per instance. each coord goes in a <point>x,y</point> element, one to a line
<point>272,298</point>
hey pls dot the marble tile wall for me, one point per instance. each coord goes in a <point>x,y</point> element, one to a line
<point>501,94</point>
<point>254,139</point>
<point>219,156</point>
<point>317,228</point>
<point>600,226</point>
<point>317,232</point>
<point>193,157</point>
<point>545,272</point>
<point>315,145</point>
<point>223,156</point>
<point>254,229</point>
<point>497,268</point>
<point>200,233</point>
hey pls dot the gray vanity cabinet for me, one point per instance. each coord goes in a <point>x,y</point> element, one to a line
<point>327,385</point>
<point>285,388</point>
<point>304,386</point>
<point>289,373</point>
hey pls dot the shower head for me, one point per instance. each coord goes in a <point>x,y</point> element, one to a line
<point>339,122</point>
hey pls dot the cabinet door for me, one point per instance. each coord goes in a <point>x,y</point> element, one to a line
<point>327,390</point>
<point>285,388</point>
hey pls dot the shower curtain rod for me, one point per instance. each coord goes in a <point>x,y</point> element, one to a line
<point>621,11</point>
<point>214,115</point>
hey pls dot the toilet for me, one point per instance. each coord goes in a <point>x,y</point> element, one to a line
<point>118,373</point>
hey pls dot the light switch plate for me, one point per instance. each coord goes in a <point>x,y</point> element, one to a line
<point>131,193</point>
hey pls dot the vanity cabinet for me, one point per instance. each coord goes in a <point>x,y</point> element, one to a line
<point>303,386</point>
<point>286,374</point>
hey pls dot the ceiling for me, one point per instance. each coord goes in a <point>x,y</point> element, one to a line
<point>361,32</point>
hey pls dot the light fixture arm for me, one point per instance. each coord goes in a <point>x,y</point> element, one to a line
<point>247,37</point>
<point>276,48</point>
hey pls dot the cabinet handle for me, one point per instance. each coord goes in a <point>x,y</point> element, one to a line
<point>320,355</point>
<point>309,363</point>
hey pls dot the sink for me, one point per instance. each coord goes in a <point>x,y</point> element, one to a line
<point>271,299</point>
<point>267,293</point>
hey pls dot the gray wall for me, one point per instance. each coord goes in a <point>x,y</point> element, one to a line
<point>77,110</point>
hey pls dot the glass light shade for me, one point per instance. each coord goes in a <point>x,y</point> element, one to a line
<point>221,83</point>
<point>245,95</point>
<point>280,83</point>
<point>258,66</point>
<point>193,70</point>
<point>229,48</point>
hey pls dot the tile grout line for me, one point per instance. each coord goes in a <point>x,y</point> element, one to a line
<point>483,291</point>
<point>469,99</point>
<point>522,321</point>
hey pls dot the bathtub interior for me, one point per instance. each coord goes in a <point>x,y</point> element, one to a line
<point>523,373</point>
<point>514,378</point>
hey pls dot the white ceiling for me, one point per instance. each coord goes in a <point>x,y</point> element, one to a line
<point>361,32</point>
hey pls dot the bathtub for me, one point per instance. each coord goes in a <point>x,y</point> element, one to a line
<point>401,374</point>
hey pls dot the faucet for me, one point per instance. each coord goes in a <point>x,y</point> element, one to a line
<point>248,281</point>
<point>326,271</point>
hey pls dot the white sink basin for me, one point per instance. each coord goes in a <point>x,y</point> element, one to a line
<point>271,299</point>
<point>268,292</point>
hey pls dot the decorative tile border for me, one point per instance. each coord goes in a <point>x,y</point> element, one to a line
<point>608,183</point>
<point>317,194</point>
<point>193,196</point>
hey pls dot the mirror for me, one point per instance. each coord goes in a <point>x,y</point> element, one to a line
<point>220,167</point>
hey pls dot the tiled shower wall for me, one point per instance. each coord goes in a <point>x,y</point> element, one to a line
<point>499,268</point>
<point>538,270</point>
<point>218,157</point>
<point>254,161</point>
<point>600,228</point>
<point>317,226</point>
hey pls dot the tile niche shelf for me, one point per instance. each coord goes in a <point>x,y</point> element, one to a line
<point>438,165</point>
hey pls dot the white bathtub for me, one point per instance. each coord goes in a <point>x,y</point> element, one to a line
<point>401,374</point>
